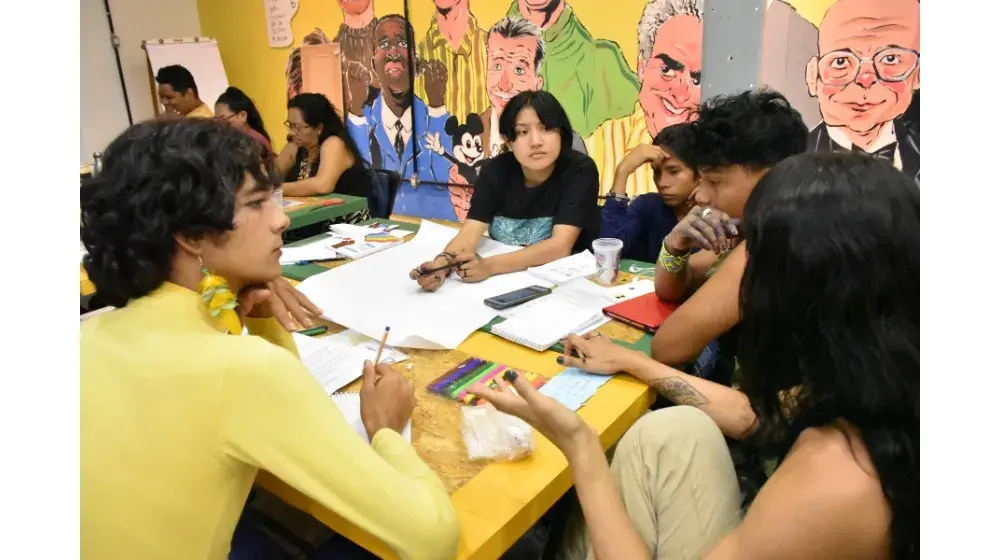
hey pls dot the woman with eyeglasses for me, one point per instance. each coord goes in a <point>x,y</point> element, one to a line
<point>320,157</point>
<point>236,109</point>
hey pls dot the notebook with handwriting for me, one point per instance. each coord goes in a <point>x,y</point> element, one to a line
<point>350,406</point>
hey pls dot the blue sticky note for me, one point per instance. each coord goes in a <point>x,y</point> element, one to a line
<point>572,387</point>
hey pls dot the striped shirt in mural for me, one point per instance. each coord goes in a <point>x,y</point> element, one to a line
<point>611,141</point>
<point>466,89</point>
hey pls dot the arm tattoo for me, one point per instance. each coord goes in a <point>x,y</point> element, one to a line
<point>678,391</point>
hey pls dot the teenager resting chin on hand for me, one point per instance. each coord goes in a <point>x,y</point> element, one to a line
<point>541,195</point>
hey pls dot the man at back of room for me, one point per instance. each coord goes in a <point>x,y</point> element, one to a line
<point>179,93</point>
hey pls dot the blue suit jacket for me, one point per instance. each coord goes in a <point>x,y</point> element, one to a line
<point>425,201</point>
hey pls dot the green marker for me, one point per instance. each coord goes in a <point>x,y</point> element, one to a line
<point>313,331</point>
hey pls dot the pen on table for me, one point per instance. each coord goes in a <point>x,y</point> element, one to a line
<point>381,345</point>
<point>311,261</point>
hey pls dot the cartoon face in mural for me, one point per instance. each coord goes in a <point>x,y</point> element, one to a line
<point>391,60</point>
<point>864,79</point>
<point>467,146</point>
<point>468,158</point>
<point>514,51</point>
<point>669,66</point>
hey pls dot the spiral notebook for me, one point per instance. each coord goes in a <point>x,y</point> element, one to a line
<point>350,406</point>
<point>541,326</point>
<point>573,308</point>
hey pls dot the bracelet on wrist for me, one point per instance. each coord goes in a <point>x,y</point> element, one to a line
<point>670,262</point>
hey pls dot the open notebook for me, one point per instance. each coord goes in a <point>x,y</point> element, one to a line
<point>350,406</point>
<point>573,308</point>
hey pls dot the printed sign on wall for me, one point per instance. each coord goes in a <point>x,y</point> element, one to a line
<point>279,15</point>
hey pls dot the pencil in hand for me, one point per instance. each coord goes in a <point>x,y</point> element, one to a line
<point>381,345</point>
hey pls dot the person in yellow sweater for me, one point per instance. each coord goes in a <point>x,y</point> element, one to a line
<point>177,414</point>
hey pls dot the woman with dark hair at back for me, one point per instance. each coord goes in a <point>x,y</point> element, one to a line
<point>829,385</point>
<point>320,157</point>
<point>237,109</point>
<point>179,410</point>
<point>541,194</point>
<point>643,223</point>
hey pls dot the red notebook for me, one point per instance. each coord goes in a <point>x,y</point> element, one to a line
<point>644,312</point>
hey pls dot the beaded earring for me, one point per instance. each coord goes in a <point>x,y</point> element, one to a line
<point>221,301</point>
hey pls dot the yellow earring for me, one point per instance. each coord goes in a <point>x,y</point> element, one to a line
<point>221,301</point>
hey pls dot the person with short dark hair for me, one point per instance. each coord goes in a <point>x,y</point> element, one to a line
<point>179,93</point>
<point>321,157</point>
<point>643,223</point>
<point>178,411</point>
<point>540,195</point>
<point>737,140</point>
<point>829,391</point>
<point>237,109</point>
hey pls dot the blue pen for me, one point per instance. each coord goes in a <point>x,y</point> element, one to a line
<point>300,263</point>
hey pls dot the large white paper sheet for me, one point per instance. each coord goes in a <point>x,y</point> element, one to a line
<point>370,294</point>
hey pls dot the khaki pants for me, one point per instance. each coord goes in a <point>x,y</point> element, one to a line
<point>677,481</point>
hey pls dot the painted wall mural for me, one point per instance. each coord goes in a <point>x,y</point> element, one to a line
<point>862,79</point>
<point>622,72</point>
<point>466,69</point>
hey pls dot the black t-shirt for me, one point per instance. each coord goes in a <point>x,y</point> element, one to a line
<point>522,215</point>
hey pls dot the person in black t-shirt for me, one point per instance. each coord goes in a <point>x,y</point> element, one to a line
<point>541,195</point>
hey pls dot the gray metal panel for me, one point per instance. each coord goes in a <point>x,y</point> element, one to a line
<point>732,46</point>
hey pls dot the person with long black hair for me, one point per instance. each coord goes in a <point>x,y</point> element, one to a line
<point>237,109</point>
<point>828,385</point>
<point>320,157</point>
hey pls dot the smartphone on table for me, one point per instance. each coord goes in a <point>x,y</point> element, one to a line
<point>517,297</point>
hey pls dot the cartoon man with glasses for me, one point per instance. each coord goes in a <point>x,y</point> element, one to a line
<point>864,79</point>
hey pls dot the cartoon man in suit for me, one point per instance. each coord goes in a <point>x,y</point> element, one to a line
<point>865,78</point>
<point>391,132</point>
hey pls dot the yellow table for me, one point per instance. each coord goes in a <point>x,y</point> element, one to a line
<point>496,502</point>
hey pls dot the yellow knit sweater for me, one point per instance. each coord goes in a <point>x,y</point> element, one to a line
<point>177,418</point>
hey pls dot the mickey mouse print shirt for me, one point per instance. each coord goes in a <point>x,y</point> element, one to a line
<point>523,215</point>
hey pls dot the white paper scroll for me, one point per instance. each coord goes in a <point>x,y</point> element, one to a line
<point>279,15</point>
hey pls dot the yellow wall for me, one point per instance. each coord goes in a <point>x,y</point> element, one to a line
<point>256,68</point>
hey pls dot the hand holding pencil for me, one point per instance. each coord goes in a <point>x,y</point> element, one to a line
<point>387,399</point>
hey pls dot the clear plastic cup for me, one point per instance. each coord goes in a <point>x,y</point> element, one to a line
<point>608,254</point>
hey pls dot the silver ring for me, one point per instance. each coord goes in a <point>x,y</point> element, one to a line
<point>705,213</point>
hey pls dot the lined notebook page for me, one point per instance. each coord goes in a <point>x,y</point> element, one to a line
<point>333,364</point>
<point>542,325</point>
<point>573,308</point>
<point>350,406</point>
